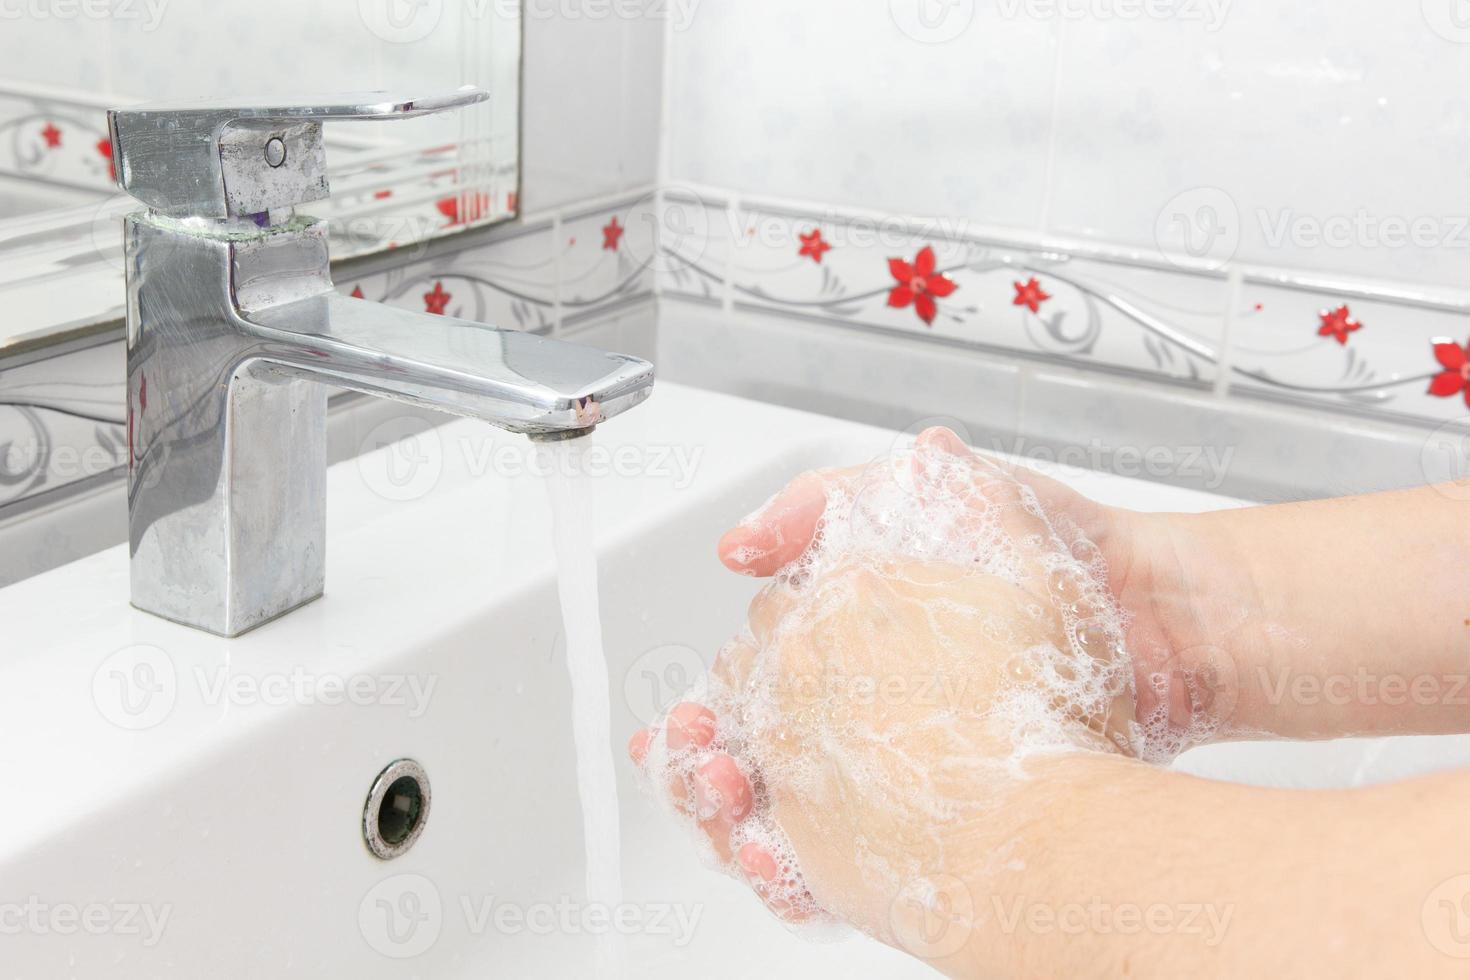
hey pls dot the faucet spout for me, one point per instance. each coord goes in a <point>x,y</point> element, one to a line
<point>515,380</point>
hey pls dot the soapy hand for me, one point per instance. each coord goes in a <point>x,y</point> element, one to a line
<point>936,620</point>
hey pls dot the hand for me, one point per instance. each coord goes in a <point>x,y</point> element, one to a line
<point>933,627</point>
<point>1177,625</point>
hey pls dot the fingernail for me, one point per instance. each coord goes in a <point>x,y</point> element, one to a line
<point>729,788</point>
<point>638,745</point>
<point>757,862</point>
<point>691,724</point>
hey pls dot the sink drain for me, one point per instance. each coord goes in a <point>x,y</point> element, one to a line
<point>397,809</point>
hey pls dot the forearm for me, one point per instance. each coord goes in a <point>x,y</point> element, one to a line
<point>1334,617</point>
<point>1120,868</point>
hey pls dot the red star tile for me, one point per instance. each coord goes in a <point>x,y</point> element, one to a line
<point>1030,295</point>
<point>436,299</point>
<point>612,233</point>
<point>51,135</point>
<point>1338,323</point>
<point>813,246</point>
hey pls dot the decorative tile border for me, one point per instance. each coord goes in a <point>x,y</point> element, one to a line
<point>1349,347</point>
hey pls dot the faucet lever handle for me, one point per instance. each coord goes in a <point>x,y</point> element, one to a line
<point>235,159</point>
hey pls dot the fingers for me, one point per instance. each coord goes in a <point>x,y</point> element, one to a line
<point>764,875</point>
<point>778,533</point>
<point>719,796</point>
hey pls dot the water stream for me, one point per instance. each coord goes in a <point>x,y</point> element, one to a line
<point>576,561</point>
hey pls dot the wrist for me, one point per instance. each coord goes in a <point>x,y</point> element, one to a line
<point>1194,632</point>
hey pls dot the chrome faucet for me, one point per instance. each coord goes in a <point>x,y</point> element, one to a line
<point>235,332</point>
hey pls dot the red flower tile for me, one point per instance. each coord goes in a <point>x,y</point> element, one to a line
<point>436,299</point>
<point>51,135</point>
<point>1455,377</point>
<point>813,246</point>
<point>919,284</point>
<point>1030,295</point>
<point>612,233</point>
<point>1338,323</point>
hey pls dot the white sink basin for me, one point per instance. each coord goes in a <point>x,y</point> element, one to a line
<point>144,795</point>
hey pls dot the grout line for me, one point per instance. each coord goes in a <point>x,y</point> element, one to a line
<point>1053,125</point>
<point>1234,295</point>
<point>557,238</point>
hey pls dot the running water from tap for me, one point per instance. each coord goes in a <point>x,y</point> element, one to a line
<point>576,562</point>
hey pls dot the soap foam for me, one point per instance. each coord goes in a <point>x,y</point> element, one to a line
<point>1066,669</point>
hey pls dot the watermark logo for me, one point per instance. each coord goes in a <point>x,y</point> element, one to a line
<point>400,21</point>
<point>36,917</point>
<point>1205,920</point>
<point>401,917</point>
<point>148,14</point>
<point>1364,687</point>
<point>667,230</point>
<point>1210,13</point>
<point>662,678</point>
<point>932,917</point>
<point>1200,226</point>
<point>136,687</point>
<point>404,458</point>
<point>932,21</point>
<point>411,462</point>
<point>1445,459</point>
<point>1450,19</point>
<point>1445,917</point>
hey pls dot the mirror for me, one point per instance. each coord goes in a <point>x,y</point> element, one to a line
<point>63,63</point>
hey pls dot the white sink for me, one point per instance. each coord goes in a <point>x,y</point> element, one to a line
<point>140,790</point>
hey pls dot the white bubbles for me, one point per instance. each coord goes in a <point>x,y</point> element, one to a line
<point>942,628</point>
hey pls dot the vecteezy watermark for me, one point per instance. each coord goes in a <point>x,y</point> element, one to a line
<point>932,916</point>
<point>1450,19</point>
<point>400,21</point>
<point>407,21</point>
<point>1200,226</point>
<point>932,21</point>
<point>1445,459</point>
<point>1445,917</point>
<point>667,230</point>
<point>63,463</point>
<point>1208,466</point>
<point>403,458</point>
<point>661,678</point>
<point>678,13</point>
<point>940,690</point>
<point>137,688</point>
<point>403,916</point>
<point>1209,13</point>
<point>1362,229</point>
<point>1364,687</point>
<point>147,13</point>
<point>1206,920</point>
<point>37,917</point>
<point>841,230</point>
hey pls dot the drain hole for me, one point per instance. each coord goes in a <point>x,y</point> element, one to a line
<point>399,814</point>
<point>397,809</point>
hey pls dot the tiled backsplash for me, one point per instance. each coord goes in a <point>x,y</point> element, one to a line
<point>1286,337</point>
<point>1128,204</point>
<point>1261,198</point>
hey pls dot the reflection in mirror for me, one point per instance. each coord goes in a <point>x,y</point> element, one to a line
<point>393,186</point>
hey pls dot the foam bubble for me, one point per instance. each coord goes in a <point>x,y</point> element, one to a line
<point>921,566</point>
